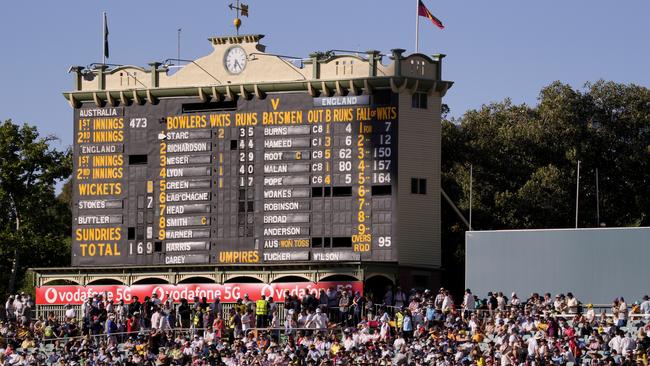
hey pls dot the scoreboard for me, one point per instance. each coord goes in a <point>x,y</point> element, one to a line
<point>288,178</point>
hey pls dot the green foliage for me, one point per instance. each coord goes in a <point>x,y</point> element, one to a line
<point>34,225</point>
<point>525,158</point>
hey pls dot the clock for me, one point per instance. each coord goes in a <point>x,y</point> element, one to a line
<point>235,60</point>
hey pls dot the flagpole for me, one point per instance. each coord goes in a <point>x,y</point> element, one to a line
<point>577,191</point>
<point>417,26</point>
<point>103,38</point>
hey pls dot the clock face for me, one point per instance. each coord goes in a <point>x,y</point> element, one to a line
<point>235,60</point>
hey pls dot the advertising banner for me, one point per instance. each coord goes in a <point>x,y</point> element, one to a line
<point>228,292</point>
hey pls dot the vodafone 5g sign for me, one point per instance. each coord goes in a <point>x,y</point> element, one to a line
<point>229,292</point>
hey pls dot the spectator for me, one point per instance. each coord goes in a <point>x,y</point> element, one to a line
<point>524,334</point>
<point>468,304</point>
<point>645,307</point>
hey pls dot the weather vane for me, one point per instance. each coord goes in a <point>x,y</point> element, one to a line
<point>240,10</point>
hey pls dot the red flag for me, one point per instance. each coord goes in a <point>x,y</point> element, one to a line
<point>424,12</point>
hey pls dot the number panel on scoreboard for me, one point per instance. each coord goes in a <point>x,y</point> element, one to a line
<point>276,180</point>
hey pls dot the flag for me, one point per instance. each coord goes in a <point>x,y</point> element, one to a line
<point>424,12</point>
<point>105,36</point>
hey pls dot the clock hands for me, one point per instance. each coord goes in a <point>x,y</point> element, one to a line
<point>235,60</point>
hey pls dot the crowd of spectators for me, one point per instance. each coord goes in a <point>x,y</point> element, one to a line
<point>333,327</point>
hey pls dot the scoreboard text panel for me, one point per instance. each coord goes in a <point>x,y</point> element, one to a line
<point>285,178</point>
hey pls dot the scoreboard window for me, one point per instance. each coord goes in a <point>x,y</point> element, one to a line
<point>419,100</point>
<point>418,186</point>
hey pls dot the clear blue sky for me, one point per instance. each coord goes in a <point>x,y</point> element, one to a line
<point>496,49</point>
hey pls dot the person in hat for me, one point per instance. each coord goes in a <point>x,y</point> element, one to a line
<point>111,329</point>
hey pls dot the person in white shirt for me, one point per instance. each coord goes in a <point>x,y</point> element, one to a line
<point>627,344</point>
<point>384,317</point>
<point>447,303</point>
<point>469,305</point>
<point>163,322</point>
<point>302,319</point>
<point>384,331</point>
<point>645,307</point>
<point>533,346</point>
<point>290,323</point>
<point>155,319</point>
<point>209,335</point>
<point>622,313</point>
<point>309,321</point>
<point>590,315</point>
<point>19,306</point>
<point>501,301</point>
<point>440,298</point>
<point>246,321</point>
<point>514,299</point>
<point>568,355</point>
<point>399,342</point>
<point>9,308</point>
<point>571,303</point>
<point>559,304</point>
<point>320,320</point>
<point>121,311</point>
<point>70,313</point>
<point>348,343</point>
<point>616,343</point>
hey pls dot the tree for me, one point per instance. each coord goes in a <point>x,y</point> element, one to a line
<point>525,158</point>
<point>34,225</point>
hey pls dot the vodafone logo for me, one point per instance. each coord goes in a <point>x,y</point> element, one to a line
<point>158,291</point>
<point>50,295</point>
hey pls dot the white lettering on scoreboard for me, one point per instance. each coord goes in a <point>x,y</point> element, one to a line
<point>286,206</point>
<point>101,149</point>
<point>188,196</point>
<point>286,219</point>
<point>99,219</point>
<point>187,259</point>
<point>99,204</point>
<point>188,147</point>
<point>286,193</point>
<point>187,172</point>
<point>187,209</point>
<point>335,256</point>
<point>302,255</point>
<point>286,231</point>
<point>286,180</point>
<point>187,234</point>
<point>286,155</point>
<point>186,135</point>
<point>187,221</point>
<point>187,184</point>
<point>277,143</point>
<point>188,159</point>
<point>290,130</point>
<point>286,168</point>
<point>186,246</point>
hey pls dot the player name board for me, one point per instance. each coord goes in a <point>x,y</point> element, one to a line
<point>285,178</point>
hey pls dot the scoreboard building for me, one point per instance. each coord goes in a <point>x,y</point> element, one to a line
<point>242,167</point>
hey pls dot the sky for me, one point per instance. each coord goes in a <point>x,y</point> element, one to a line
<point>495,49</point>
